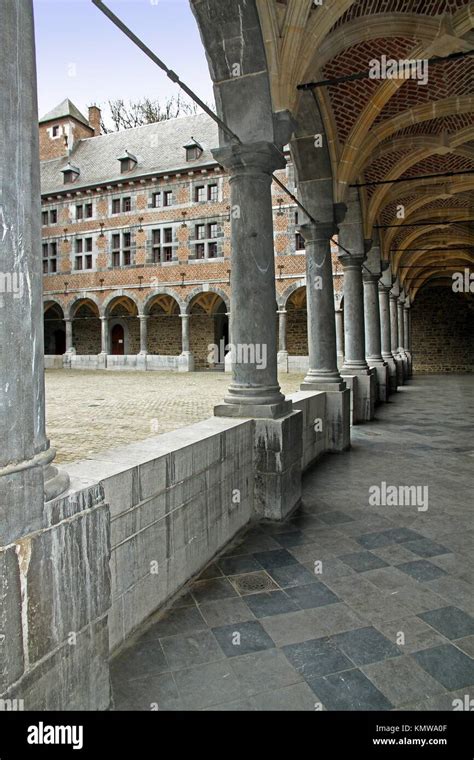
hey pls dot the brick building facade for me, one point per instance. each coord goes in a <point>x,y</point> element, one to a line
<point>136,245</point>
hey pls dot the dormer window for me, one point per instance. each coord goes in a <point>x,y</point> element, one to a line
<point>55,131</point>
<point>127,162</point>
<point>70,173</point>
<point>193,150</point>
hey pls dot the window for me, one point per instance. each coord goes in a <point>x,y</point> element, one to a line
<point>50,258</point>
<point>212,193</point>
<point>44,218</point>
<point>56,130</point>
<point>168,254</point>
<point>156,246</point>
<point>121,249</point>
<point>212,230</point>
<point>88,210</point>
<point>126,204</point>
<point>200,251</point>
<point>156,200</point>
<point>168,235</point>
<point>70,176</point>
<point>200,194</point>
<point>299,245</point>
<point>116,206</point>
<point>79,212</point>
<point>192,153</point>
<point>168,198</point>
<point>53,216</point>
<point>212,250</point>
<point>200,231</point>
<point>83,245</point>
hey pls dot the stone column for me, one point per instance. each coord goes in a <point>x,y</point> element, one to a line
<point>143,334</point>
<point>186,358</point>
<point>282,351</point>
<point>254,391</point>
<point>104,335</point>
<point>394,336</point>
<point>407,335</point>
<point>27,476</point>
<point>373,340</point>
<point>401,335</point>
<point>323,373</point>
<point>69,345</point>
<point>228,356</point>
<point>385,332</point>
<point>340,336</point>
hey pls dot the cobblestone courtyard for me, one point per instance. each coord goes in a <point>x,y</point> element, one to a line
<point>88,412</point>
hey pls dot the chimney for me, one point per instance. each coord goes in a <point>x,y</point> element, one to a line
<point>94,119</point>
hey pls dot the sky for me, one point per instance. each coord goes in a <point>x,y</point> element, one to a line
<point>82,56</point>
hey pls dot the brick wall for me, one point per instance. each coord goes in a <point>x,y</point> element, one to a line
<point>443,331</point>
<point>164,335</point>
<point>86,336</point>
<point>54,147</point>
<point>297,332</point>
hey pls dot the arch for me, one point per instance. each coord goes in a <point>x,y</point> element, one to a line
<point>86,327</point>
<point>54,329</point>
<point>191,296</point>
<point>90,300</point>
<point>288,292</point>
<point>153,294</point>
<point>120,296</point>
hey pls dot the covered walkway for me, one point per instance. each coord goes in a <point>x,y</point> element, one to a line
<point>344,606</point>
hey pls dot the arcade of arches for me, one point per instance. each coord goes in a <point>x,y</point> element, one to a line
<point>387,165</point>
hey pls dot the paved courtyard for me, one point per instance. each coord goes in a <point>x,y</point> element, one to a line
<point>345,606</point>
<point>88,412</point>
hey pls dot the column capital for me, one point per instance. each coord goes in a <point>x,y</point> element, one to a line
<point>393,296</point>
<point>184,316</point>
<point>406,306</point>
<point>315,232</point>
<point>351,260</point>
<point>143,316</point>
<point>370,277</point>
<point>262,157</point>
<point>282,311</point>
<point>383,288</point>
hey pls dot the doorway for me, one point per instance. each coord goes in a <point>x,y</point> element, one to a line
<point>118,340</point>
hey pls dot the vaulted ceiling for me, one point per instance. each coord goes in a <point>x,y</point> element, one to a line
<point>398,132</point>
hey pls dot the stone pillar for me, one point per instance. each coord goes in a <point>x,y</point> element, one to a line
<point>104,335</point>
<point>27,476</point>
<point>340,336</point>
<point>394,336</point>
<point>254,391</point>
<point>228,356</point>
<point>401,336</point>
<point>407,335</point>
<point>323,373</point>
<point>373,340</point>
<point>69,345</point>
<point>385,332</point>
<point>282,350</point>
<point>143,334</point>
<point>355,369</point>
<point>186,358</point>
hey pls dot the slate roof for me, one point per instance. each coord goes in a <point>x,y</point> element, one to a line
<point>159,148</point>
<point>66,108</point>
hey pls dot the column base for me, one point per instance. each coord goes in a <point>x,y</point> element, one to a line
<point>338,413</point>
<point>228,362</point>
<point>186,362</point>
<point>363,387</point>
<point>282,361</point>
<point>278,451</point>
<point>141,361</point>
<point>410,363</point>
<point>56,482</point>
<point>392,372</point>
<point>383,379</point>
<point>399,365</point>
<point>405,364</point>
<point>102,360</point>
<point>269,411</point>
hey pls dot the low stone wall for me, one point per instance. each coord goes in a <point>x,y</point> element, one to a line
<point>53,362</point>
<point>312,406</point>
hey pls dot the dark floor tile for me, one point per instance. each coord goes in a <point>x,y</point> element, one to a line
<point>450,621</point>
<point>264,671</point>
<point>312,595</point>
<point>298,697</point>
<point>362,561</point>
<point>275,558</point>
<point>425,547</point>
<point>316,657</point>
<point>180,620</point>
<point>293,575</point>
<point>145,657</point>
<point>193,649</point>
<point>350,690</point>
<point>157,692</point>
<point>242,638</point>
<point>272,603</point>
<point>293,538</point>
<point>207,685</point>
<point>211,571</point>
<point>244,563</point>
<point>448,665</point>
<point>209,591</point>
<point>365,645</point>
<point>421,570</point>
<point>335,518</point>
<point>376,540</point>
<point>402,680</point>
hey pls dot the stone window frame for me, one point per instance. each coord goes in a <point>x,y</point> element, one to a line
<point>207,183</point>
<point>50,260</point>
<point>49,221</point>
<point>164,246</point>
<point>55,132</point>
<point>84,254</point>
<point>120,198</point>
<point>83,206</point>
<point>123,251</point>
<point>208,241</point>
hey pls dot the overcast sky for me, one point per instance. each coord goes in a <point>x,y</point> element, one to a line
<point>83,56</point>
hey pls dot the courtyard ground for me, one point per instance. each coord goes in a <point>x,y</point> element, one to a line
<point>88,412</point>
<point>345,606</point>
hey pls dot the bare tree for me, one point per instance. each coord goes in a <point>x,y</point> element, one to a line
<point>136,113</point>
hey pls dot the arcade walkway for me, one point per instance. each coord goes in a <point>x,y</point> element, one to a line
<point>388,623</point>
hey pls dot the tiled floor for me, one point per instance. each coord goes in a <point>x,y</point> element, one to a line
<point>345,606</point>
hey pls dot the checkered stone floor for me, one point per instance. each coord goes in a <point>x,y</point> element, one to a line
<point>344,606</point>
